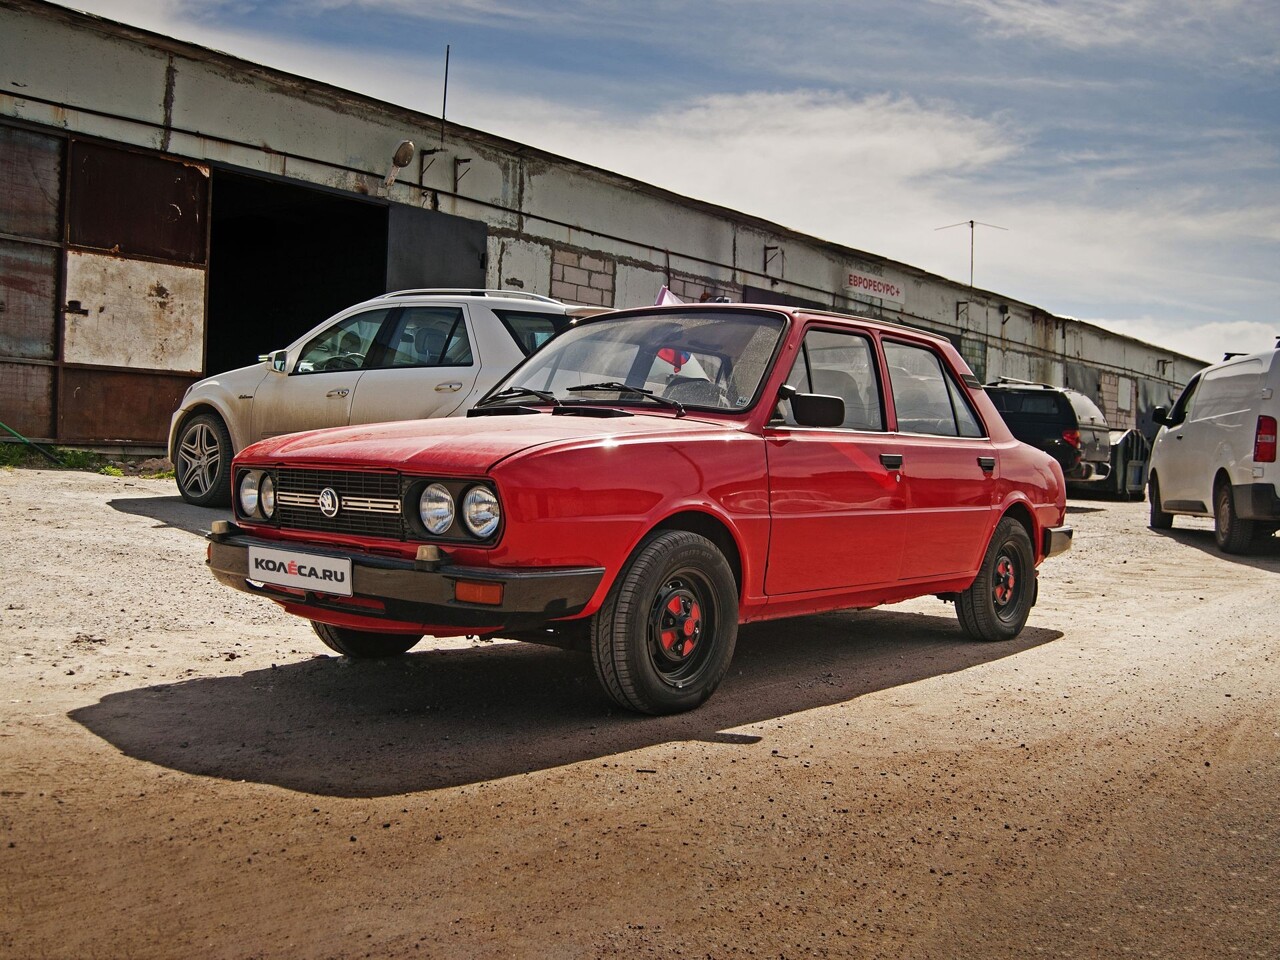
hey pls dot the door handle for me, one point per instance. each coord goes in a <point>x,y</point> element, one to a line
<point>891,460</point>
<point>339,392</point>
<point>988,464</point>
<point>448,387</point>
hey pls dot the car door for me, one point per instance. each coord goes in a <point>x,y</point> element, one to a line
<point>427,366</point>
<point>949,465</point>
<point>835,493</point>
<point>318,389</point>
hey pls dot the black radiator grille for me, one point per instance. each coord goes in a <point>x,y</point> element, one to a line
<point>369,502</point>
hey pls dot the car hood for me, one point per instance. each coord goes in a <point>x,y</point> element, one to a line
<point>470,445</point>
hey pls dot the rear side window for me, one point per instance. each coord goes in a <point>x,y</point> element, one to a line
<point>531,330</point>
<point>1086,410</point>
<point>926,396</point>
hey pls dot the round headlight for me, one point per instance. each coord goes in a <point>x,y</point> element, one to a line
<point>267,495</point>
<point>435,507</point>
<point>249,493</point>
<point>480,511</point>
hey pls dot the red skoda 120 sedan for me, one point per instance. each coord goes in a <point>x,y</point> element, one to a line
<point>647,481</point>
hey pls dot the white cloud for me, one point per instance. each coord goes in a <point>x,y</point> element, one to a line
<point>1241,31</point>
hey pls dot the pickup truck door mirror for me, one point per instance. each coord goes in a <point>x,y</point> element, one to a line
<point>813,409</point>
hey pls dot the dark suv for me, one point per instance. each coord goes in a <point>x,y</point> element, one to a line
<point>1062,422</point>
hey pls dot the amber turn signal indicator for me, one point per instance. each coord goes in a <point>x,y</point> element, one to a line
<point>470,591</point>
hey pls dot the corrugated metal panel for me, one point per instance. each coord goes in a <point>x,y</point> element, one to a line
<point>30,184</point>
<point>133,313</point>
<point>137,205</point>
<point>26,399</point>
<point>28,292</point>
<point>108,405</point>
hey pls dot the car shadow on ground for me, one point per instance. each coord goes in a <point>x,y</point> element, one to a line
<point>172,512</point>
<point>443,718</point>
<point>1265,555</point>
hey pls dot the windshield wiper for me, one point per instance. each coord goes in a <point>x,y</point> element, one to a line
<point>627,388</point>
<point>512,392</point>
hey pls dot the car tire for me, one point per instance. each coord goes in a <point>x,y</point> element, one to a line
<point>1232,534</point>
<point>364,644</point>
<point>663,639</point>
<point>202,467</point>
<point>996,605</point>
<point>1160,520</point>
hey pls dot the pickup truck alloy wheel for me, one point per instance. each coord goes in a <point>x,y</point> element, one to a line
<point>997,604</point>
<point>664,637</point>
<point>203,467</point>
<point>363,644</point>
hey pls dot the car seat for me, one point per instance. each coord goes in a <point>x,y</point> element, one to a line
<point>428,342</point>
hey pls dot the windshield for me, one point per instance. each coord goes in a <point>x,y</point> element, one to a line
<point>712,361</point>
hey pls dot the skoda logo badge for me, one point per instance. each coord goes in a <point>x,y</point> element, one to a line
<point>329,502</point>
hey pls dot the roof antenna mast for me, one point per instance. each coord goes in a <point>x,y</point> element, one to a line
<point>444,102</point>
<point>971,224</point>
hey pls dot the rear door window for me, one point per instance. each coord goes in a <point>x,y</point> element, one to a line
<point>429,337</point>
<point>927,398</point>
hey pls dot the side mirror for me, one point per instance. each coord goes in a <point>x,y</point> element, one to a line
<point>813,409</point>
<point>278,359</point>
<point>1160,415</point>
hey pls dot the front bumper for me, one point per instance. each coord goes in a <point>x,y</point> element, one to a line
<point>405,592</point>
<point>1057,540</point>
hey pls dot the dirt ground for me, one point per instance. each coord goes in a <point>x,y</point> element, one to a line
<point>185,772</point>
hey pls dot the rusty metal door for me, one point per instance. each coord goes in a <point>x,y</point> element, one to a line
<point>133,319</point>
<point>31,169</point>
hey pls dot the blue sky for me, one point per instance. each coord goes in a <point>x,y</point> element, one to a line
<point>1131,150</point>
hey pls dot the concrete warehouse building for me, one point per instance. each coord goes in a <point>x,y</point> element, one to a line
<point>168,211</point>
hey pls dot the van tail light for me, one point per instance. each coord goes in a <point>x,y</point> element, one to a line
<point>1264,441</point>
<point>1072,437</point>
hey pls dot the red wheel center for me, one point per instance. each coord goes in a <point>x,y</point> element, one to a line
<point>1006,581</point>
<point>681,625</point>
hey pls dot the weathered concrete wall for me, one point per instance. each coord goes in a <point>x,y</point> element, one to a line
<point>556,227</point>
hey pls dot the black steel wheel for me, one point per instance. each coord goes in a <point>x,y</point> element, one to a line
<point>998,602</point>
<point>1160,520</point>
<point>203,464</point>
<point>1233,534</point>
<point>663,640</point>
<point>364,644</point>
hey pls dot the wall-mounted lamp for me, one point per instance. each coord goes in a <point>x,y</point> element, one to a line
<point>399,160</point>
<point>1003,310</point>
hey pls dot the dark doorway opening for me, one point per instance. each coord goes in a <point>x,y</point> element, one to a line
<point>282,258</point>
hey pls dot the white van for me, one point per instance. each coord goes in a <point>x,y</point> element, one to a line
<point>1215,456</point>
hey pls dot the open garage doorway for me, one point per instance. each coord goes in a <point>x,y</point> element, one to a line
<point>282,258</point>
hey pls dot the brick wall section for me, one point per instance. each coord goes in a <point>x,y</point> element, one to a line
<point>582,278</point>
<point>1108,398</point>
<point>692,289</point>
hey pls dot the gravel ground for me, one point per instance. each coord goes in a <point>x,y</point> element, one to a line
<point>184,771</point>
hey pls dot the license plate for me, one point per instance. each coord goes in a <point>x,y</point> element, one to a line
<point>302,571</point>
